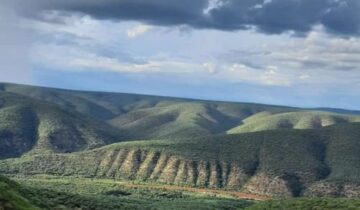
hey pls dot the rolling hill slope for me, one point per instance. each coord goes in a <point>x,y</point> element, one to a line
<point>11,196</point>
<point>293,120</point>
<point>27,124</point>
<point>166,117</point>
<point>151,115</point>
<point>277,163</point>
<point>261,149</point>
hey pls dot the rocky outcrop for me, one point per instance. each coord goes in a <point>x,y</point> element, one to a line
<point>162,167</point>
<point>136,164</point>
<point>333,189</point>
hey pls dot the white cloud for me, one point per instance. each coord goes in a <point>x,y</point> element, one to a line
<point>213,4</point>
<point>109,64</point>
<point>210,67</point>
<point>320,51</point>
<point>270,75</point>
<point>72,58</point>
<point>304,76</point>
<point>137,31</point>
<point>81,29</point>
<point>247,57</point>
<point>259,6</point>
<point>15,43</point>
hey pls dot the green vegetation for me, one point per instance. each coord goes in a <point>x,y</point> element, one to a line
<point>11,196</point>
<point>308,204</point>
<point>279,163</point>
<point>28,124</point>
<point>252,148</point>
<point>53,193</point>
<point>46,192</point>
<point>166,117</point>
<point>292,120</point>
<point>156,117</point>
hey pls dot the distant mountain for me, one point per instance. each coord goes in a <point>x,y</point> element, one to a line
<point>292,120</point>
<point>340,111</point>
<point>262,149</point>
<point>29,124</point>
<point>165,117</point>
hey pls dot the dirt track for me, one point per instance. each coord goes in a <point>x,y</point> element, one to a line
<point>200,190</point>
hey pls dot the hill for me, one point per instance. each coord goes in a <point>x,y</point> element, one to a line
<point>292,120</point>
<point>54,193</point>
<point>281,163</point>
<point>262,149</point>
<point>154,116</point>
<point>28,124</point>
<point>11,196</point>
<point>167,117</point>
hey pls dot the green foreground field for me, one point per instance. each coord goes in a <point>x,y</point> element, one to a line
<point>50,192</point>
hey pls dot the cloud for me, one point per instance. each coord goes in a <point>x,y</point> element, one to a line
<point>320,51</point>
<point>213,4</point>
<point>73,58</point>
<point>137,31</point>
<point>210,67</point>
<point>269,76</point>
<point>268,16</point>
<point>14,46</point>
<point>304,76</point>
<point>82,45</point>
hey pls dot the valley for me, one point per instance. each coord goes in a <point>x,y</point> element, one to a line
<point>58,138</point>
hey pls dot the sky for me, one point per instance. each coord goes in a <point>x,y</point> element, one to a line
<point>302,53</point>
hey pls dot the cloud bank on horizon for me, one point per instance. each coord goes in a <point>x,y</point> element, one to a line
<point>310,49</point>
<point>268,16</point>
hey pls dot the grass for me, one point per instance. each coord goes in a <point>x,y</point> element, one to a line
<point>27,124</point>
<point>69,121</point>
<point>155,117</point>
<point>165,117</point>
<point>297,159</point>
<point>279,151</point>
<point>11,197</point>
<point>308,204</point>
<point>295,120</point>
<point>53,193</point>
<point>48,192</point>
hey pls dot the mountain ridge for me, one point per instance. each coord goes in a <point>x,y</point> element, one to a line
<point>329,109</point>
<point>262,149</point>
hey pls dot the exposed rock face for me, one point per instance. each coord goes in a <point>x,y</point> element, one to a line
<point>266,184</point>
<point>320,189</point>
<point>158,166</point>
<point>136,164</point>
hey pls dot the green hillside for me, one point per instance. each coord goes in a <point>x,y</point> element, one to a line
<point>308,204</point>
<point>150,114</point>
<point>260,149</point>
<point>11,196</point>
<point>292,120</point>
<point>28,124</point>
<point>54,193</point>
<point>166,117</point>
<point>280,163</point>
<point>61,194</point>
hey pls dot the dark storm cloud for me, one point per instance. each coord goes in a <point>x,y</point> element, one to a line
<point>160,12</point>
<point>269,16</point>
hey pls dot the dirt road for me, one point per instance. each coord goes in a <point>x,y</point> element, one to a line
<point>199,190</point>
